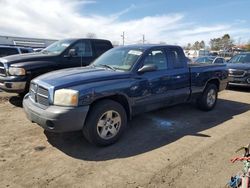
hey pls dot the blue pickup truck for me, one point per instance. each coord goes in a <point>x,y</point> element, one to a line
<point>124,81</point>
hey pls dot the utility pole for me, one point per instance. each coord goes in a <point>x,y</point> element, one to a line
<point>143,39</point>
<point>123,38</point>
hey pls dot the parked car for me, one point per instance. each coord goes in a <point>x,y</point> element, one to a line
<point>16,71</point>
<point>210,59</point>
<point>239,70</point>
<point>125,81</point>
<point>6,50</point>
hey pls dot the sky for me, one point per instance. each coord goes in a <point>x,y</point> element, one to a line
<point>170,21</point>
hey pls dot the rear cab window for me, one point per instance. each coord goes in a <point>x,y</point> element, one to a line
<point>156,57</point>
<point>176,58</point>
<point>82,49</point>
<point>101,47</point>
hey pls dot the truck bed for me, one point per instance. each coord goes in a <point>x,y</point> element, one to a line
<point>200,73</point>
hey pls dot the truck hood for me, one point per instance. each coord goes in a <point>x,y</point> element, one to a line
<point>21,60</point>
<point>239,66</point>
<point>77,76</point>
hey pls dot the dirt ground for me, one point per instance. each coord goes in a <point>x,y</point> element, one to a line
<point>174,147</point>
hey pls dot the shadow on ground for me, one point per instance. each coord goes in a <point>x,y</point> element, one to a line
<point>238,88</point>
<point>150,131</point>
<point>16,101</point>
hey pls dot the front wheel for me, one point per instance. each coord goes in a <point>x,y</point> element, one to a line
<point>208,99</point>
<point>105,123</point>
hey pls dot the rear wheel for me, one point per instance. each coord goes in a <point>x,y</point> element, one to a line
<point>105,123</point>
<point>208,99</point>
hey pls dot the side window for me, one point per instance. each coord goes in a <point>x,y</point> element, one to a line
<point>218,60</point>
<point>82,49</point>
<point>200,60</point>
<point>176,58</point>
<point>156,57</point>
<point>101,47</point>
<point>24,50</point>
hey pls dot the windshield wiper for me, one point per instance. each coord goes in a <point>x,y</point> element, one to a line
<point>107,66</point>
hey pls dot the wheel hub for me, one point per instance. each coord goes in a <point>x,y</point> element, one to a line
<point>109,124</point>
<point>211,97</point>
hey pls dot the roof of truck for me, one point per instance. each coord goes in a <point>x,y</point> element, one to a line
<point>148,46</point>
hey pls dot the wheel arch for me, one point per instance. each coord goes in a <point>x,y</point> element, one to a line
<point>119,98</point>
<point>214,81</point>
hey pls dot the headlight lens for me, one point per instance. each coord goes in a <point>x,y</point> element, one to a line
<point>66,97</point>
<point>17,71</point>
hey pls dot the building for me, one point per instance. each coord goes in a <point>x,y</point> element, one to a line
<point>23,41</point>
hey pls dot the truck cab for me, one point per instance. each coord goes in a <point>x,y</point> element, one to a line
<point>16,71</point>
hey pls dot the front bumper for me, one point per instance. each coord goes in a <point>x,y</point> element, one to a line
<point>239,81</point>
<point>55,118</point>
<point>12,84</point>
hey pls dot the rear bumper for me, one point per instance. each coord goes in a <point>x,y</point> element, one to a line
<point>55,118</point>
<point>13,84</point>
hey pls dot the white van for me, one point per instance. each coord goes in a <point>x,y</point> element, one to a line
<point>196,53</point>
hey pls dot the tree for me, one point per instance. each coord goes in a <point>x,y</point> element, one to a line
<point>188,47</point>
<point>202,45</point>
<point>215,44</point>
<point>226,42</point>
<point>196,45</point>
<point>223,43</point>
<point>91,35</point>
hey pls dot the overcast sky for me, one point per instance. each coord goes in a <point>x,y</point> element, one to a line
<point>173,22</point>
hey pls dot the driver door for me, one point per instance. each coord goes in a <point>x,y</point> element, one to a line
<point>153,86</point>
<point>83,55</point>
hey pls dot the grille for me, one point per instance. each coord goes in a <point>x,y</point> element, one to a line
<point>39,94</point>
<point>2,70</point>
<point>237,73</point>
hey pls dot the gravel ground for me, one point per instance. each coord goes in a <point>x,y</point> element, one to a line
<point>174,147</point>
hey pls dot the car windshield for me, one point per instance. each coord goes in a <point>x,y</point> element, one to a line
<point>240,58</point>
<point>119,58</point>
<point>58,47</point>
<point>204,60</point>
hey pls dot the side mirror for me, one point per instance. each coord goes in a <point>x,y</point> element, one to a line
<point>147,68</point>
<point>72,52</point>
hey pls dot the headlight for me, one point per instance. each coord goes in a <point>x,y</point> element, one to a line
<point>66,97</point>
<point>17,71</point>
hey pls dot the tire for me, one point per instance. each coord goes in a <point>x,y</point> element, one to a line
<point>105,123</point>
<point>208,99</point>
<point>22,94</point>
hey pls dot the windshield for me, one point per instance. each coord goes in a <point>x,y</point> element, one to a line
<point>119,58</point>
<point>204,60</point>
<point>240,58</point>
<point>58,47</point>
